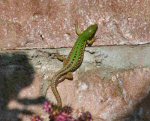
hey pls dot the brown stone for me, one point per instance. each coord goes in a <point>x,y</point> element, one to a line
<point>107,100</point>
<point>110,94</point>
<point>50,23</point>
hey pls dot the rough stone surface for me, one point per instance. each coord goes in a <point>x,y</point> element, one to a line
<point>109,84</point>
<point>113,82</point>
<point>50,23</point>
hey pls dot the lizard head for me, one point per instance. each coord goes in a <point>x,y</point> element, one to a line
<point>91,30</point>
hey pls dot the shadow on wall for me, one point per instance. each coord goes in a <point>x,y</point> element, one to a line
<point>142,111</point>
<point>16,73</point>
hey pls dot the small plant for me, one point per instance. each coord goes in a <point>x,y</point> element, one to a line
<point>61,114</point>
<point>36,118</point>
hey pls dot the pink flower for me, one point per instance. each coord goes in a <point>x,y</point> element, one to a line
<point>48,107</point>
<point>64,117</point>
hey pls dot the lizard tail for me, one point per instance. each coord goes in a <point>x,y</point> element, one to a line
<point>57,96</point>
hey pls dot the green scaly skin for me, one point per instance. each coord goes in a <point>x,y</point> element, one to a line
<point>73,61</point>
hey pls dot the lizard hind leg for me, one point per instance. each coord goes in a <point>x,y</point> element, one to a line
<point>69,76</point>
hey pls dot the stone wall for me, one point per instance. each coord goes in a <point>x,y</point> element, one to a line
<point>113,82</point>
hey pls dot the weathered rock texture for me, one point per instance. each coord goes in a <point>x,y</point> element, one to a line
<point>50,23</point>
<point>109,84</point>
<point>113,82</point>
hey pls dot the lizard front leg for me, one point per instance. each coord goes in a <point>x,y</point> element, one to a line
<point>77,29</point>
<point>90,42</point>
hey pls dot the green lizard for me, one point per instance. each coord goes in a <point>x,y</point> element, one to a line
<point>73,61</point>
